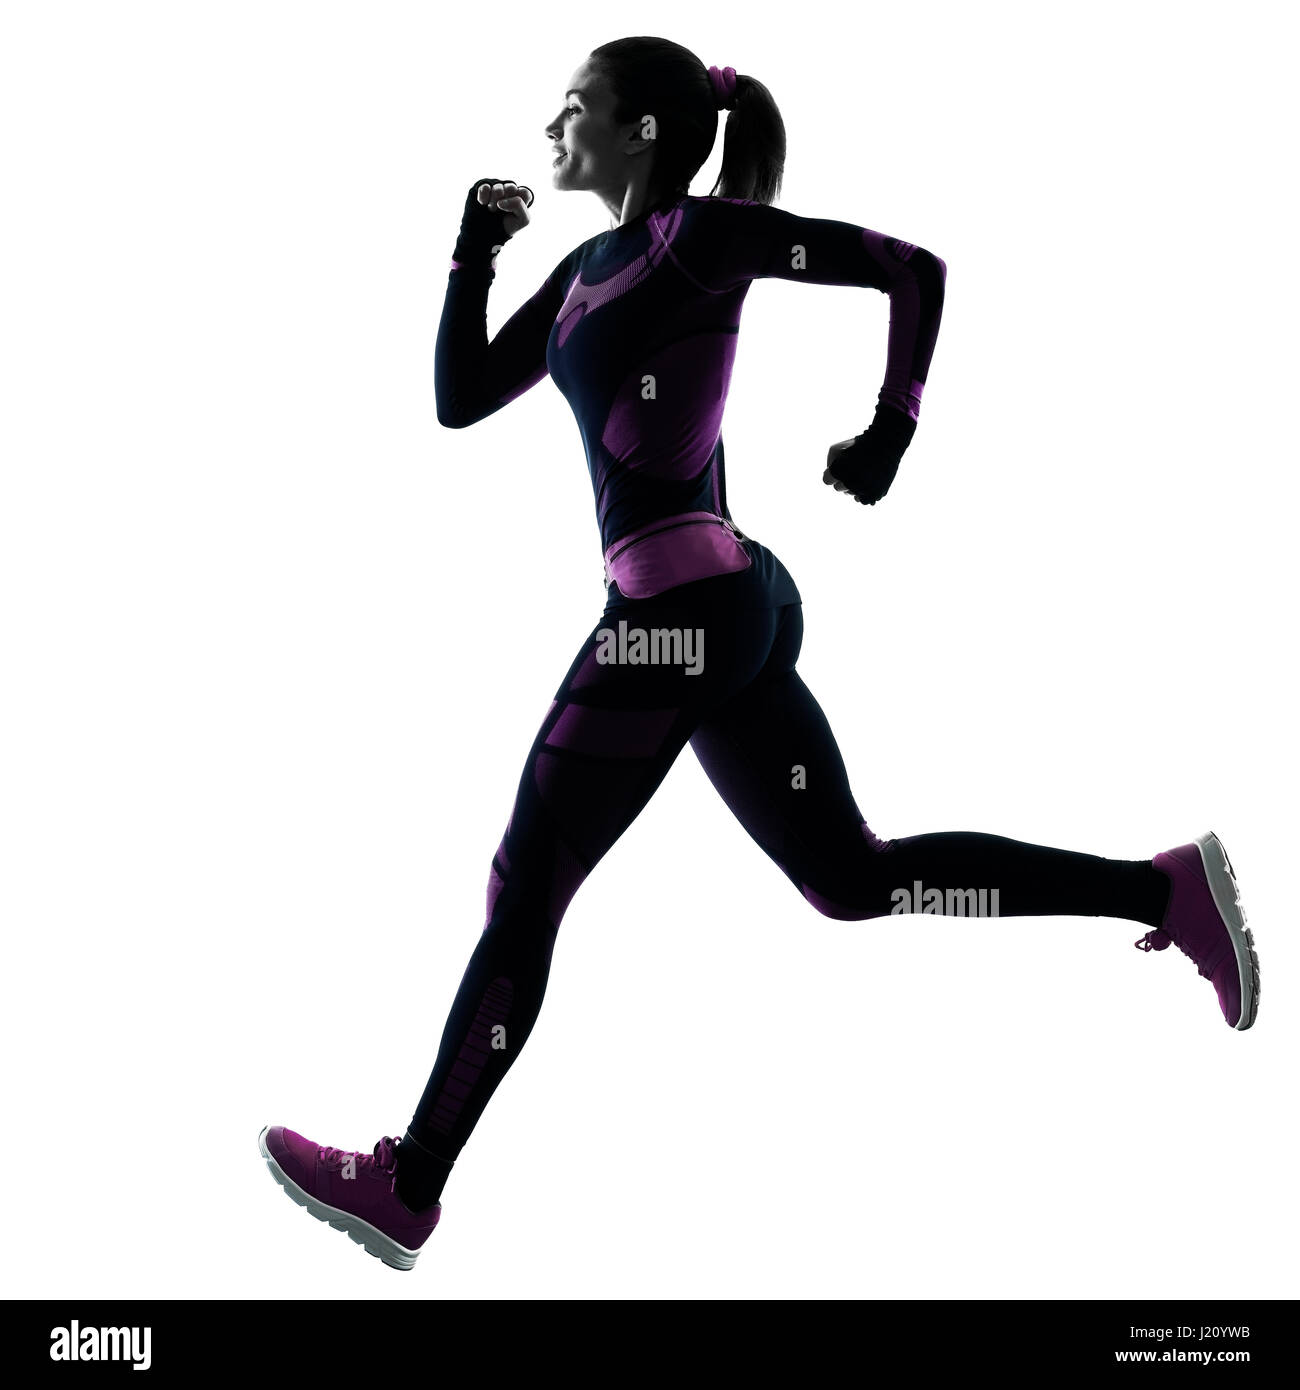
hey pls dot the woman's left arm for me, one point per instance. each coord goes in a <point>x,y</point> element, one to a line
<point>757,241</point>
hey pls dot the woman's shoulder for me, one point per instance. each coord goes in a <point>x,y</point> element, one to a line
<point>710,208</point>
<point>727,217</point>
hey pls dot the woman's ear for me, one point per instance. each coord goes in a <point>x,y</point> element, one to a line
<point>642,135</point>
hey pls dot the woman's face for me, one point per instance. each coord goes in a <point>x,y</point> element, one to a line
<point>589,151</point>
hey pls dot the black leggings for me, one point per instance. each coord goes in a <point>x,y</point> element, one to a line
<point>610,736</point>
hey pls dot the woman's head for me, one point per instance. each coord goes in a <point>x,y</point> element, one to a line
<point>645,109</point>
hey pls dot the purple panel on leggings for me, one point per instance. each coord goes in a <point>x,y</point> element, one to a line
<point>591,670</point>
<point>474,1053</point>
<point>611,733</point>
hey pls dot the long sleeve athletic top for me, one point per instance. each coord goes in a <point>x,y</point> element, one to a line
<point>637,327</point>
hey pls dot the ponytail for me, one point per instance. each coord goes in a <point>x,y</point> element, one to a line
<point>753,148</point>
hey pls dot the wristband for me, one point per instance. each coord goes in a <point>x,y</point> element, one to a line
<point>891,430</point>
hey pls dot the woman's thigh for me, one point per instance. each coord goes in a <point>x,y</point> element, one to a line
<point>637,689</point>
<point>770,753</point>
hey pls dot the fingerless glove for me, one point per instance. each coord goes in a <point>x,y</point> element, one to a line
<point>868,466</point>
<point>482,227</point>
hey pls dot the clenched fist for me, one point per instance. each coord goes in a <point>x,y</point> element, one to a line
<point>866,465</point>
<point>503,196</point>
<point>495,209</point>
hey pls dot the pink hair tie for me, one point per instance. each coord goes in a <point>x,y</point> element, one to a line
<point>724,87</point>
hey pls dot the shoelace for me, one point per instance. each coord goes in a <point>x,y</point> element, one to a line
<point>1159,939</point>
<point>384,1157</point>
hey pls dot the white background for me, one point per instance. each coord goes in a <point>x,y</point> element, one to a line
<point>275,645</point>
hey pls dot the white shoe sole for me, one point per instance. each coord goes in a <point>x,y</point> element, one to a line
<point>373,1240</point>
<point>1227,898</point>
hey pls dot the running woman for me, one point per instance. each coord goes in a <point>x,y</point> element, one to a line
<point>701,628</point>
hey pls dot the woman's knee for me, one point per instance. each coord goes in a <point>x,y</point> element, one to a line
<point>856,891</point>
<point>535,887</point>
<point>847,907</point>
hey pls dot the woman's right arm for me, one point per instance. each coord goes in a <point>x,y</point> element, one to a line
<point>753,241</point>
<point>472,377</point>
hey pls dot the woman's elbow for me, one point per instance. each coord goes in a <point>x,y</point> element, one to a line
<point>452,416</point>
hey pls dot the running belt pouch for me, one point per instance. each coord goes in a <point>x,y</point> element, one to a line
<point>481,228</point>
<point>674,550</point>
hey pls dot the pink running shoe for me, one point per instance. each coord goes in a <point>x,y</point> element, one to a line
<point>1205,921</point>
<point>354,1192</point>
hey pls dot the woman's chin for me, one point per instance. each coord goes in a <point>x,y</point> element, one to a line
<point>563,177</point>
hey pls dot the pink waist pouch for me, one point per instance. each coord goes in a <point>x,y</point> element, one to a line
<point>674,550</point>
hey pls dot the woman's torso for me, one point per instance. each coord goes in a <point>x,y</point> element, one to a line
<point>642,348</point>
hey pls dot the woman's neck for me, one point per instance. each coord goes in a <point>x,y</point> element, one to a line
<point>635,204</point>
